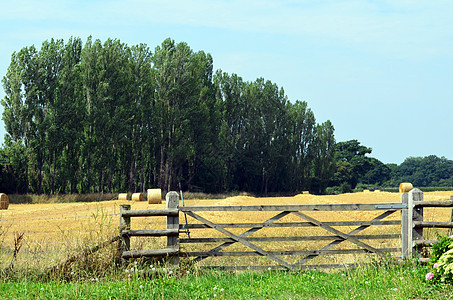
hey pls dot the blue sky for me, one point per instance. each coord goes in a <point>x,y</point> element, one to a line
<point>381,71</point>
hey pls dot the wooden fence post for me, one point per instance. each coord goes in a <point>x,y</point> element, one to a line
<point>125,225</point>
<point>415,214</point>
<point>172,200</point>
<point>405,227</point>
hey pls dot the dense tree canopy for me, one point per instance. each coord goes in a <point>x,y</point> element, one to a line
<point>108,117</point>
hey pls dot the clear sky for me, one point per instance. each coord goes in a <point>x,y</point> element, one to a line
<point>381,71</point>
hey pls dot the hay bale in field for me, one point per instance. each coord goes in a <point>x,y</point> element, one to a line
<point>122,196</point>
<point>154,196</point>
<point>306,193</point>
<point>405,187</point>
<point>138,197</point>
<point>4,201</point>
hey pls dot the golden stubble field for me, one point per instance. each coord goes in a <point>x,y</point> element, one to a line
<point>53,232</point>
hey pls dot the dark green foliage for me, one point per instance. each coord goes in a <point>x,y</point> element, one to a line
<point>107,117</point>
<point>440,248</point>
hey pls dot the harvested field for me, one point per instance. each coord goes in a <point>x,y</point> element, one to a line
<point>53,232</point>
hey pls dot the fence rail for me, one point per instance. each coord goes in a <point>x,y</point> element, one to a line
<point>410,233</point>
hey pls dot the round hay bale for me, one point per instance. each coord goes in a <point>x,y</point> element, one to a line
<point>122,196</point>
<point>405,187</point>
<point>154,196</point>
<point>4,201</point>
<point>138,197</point>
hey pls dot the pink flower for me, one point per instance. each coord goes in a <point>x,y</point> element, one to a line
<point>451,236</point>
<point>429,276</point>
<point>436,265</point>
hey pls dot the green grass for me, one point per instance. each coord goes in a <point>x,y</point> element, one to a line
<point>380,281</point>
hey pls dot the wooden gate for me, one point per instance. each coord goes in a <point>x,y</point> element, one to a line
<point>303,215</point>
<point>210,236</point>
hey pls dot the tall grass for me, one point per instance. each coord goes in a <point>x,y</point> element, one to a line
<point>384,280</point>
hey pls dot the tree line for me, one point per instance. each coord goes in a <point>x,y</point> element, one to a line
<point>108,117</point>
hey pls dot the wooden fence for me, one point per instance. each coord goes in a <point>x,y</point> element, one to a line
<point>180,244</point>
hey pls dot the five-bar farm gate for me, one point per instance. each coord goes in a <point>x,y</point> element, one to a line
<point>210,238</point>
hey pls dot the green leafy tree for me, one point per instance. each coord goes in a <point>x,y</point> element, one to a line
<point>352,162</point>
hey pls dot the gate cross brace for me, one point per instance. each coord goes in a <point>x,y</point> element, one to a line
<point>339,233</point>
<point>241,240</point>
<point>244,234</point>
<point>334,243</point>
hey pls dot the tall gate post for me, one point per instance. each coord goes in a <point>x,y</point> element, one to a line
<point>172,200</point>
<point>405,227</point>
<point>415,214</point>
<point>125,225</point>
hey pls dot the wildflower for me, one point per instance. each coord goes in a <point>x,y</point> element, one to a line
<point>171,272</point>
<point>215,288</point>
<point>221,290</point>
<point>188,272</point>
<point>451,236</point>
<point>436,265</point>
<point>141,286</point>
<point>429,276</point>
<point>215,295</point>
<point>153,269</point>
<point>42,289</point>
<point>395,289</point>
<point>269,268</point>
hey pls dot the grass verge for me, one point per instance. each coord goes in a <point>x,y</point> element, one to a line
<point>378,281</point>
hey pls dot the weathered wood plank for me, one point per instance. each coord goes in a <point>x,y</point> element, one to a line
<point>149,253</point>
<point>405,226</point>
<point>426,224</point>
<point>283,253</point>
<point>151,232</point>
<point>416,196</point>
<point>172,202</point>
<point>425,243</point>
<point>353,232</point>
<point>291,208</point>
<point>241,240</point>
<point>294,224</point>
<point>247,233</point>
<point>288,238</point>
<point>444,203</point>
<point>125,224</point>
<point>151,212</point>
<point>339,233</point>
